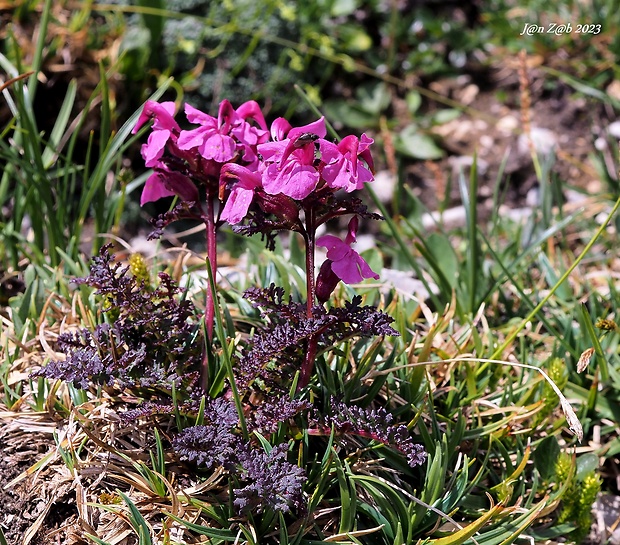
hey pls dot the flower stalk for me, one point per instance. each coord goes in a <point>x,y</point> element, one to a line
<point>211,230</point>
<point>262,179</point>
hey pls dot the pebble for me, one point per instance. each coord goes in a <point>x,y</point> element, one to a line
<point>464,163</point>
<point>405,284</point>
<point>614,129</point>
<point>384,185</point>
<point>451,218</point>
<point>507,124</point>
<point>544,140</point>
<point>468,94</point>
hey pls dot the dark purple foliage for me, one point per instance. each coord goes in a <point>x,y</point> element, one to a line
<point>374,424</point>
<point>287,329</point>
<point>353,320</point>
<point>282,343</point>
<point>206,445</point>
<point>272,482</point>
<point>214,442</point>
<point>84,362</point>
<point>147,410</point>
<point>260,223</point>
<point>267,480</point>
<point>183,210</point>
<point>153,339</point>
<point>275,409</point>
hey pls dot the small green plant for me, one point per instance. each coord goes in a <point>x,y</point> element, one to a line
<point>46,190</point>
<point>582,488</point>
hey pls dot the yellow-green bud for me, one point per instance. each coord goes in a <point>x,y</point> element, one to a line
<point>137,266</point>
<point>606,325</point>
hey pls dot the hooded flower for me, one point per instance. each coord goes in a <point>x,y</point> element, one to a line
<point>165,128</point>
<point>168,183</point>
<point>242,193</point>
<point>345,262</point>
<point>290,168</point>
<point>211,138</point>
<point>343,168</point>
<point>249,135</point>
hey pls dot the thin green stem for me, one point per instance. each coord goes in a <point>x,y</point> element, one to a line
<point>498,352</point>
<point>226,351</point>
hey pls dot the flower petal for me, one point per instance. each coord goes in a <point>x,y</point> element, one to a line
<point>237,205</point>
<point>154,189</point>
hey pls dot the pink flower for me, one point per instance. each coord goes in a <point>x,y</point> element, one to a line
<point>242,193</point>
<point>211,138</point>
<point>165,128</point>
<point>343,168</point>
<point>245,132</point>
<point>346,263</point>
<point>280,128</point>
<point>290,168</point>
<point>168,183</point>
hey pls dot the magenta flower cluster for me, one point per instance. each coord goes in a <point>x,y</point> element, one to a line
<point>236,161</point>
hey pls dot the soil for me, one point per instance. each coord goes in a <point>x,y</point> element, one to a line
<point>494,130</point>
<point>22,503</point>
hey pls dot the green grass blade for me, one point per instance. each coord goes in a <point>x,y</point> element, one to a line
<point>60,125</point>
<point>403,247</point>
<point>596,343</point>
<point>468,195</point>
<point>512,336</point>
<point>137,521</point>
<point>40,47</point>
<point>97,540</point>
<point>214,534</point>
<point>226,351</point>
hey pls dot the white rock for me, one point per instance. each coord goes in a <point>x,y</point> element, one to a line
<point>450,218</point>
<point>544,140</point>
<point>614,129</point>
<point>465,162</point>
<point>364,242</point>
<point>405,284</point>
<point>384,185</point>
<point>600,143</point>
<point>517,215</point>
<point>532,199</point>
<point>507,124</point>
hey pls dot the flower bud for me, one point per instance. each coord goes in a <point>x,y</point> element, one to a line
<point>138,268</point>
<point>326,282</point>
<point>279,205</point>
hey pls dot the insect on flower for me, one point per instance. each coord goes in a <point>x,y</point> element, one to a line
<point>304,139</point>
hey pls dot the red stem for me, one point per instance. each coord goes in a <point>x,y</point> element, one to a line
<point>212,254</point>
<point>210,302</point>
<point>309,236</point>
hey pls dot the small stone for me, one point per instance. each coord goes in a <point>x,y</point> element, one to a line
<point>405,284</point>
<point>613,89</point>
<point>507,124</point>
<point>614,129</point>
<point>468,94</point>
<point>451,218</point>
<point>465,162</point>
<point>384,186</point>
<point>600,143</point>
<point>544,141</point>
<point>532,199</point>
<point>486,141</point>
